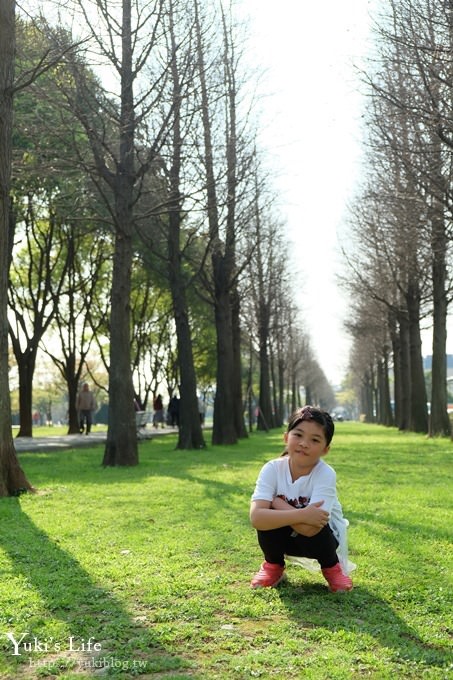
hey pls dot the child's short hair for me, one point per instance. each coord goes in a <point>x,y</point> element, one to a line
<point>316,414</point>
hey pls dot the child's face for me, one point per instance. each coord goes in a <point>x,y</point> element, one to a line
<point>306,443</point>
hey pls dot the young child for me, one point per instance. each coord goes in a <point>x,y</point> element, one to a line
<point>295,508</point>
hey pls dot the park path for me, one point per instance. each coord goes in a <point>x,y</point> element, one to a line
<point>71,441</point>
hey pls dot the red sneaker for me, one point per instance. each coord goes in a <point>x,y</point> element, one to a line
<point>337,580</point>
<point>268,576</point>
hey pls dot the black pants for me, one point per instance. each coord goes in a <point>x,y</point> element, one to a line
<point>85,416</point>
<point>276,543</point>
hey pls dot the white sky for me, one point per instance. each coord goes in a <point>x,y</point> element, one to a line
<point>312,116</point>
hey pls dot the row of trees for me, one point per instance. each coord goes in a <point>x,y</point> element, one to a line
<point>401,221</point>
<point>142,227</point>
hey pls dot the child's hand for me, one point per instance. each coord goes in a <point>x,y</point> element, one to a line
<point>314,515</point>
<point>312,518</point>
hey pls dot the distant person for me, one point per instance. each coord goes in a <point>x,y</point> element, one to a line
<point>158,416</point>
<point>173,412</point>
<point>295,508</point>
<point>86,406</point>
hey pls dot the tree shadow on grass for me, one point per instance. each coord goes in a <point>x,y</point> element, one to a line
<point>97,632</point>
<point>362,613</point>
<point>382,524</point>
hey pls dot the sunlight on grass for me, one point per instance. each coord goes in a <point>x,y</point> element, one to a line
<point>145,570</point>
<point>57,430</point>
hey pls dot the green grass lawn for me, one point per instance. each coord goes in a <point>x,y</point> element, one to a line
<point>145,571</point>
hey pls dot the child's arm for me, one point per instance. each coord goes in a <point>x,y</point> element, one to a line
<point>263,517</point>
<point>310,525</point>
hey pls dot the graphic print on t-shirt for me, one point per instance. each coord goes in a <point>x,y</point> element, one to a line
<point>301,502</point>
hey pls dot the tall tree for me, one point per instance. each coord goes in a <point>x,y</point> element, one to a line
<point>111,118</point>
<point>12,477</point>
<point>264,290</point>
<point>232,136</point>
<point>225,168</point>
<point>412,89</point>
<point>224,428</point>
<point>36,280</point>
<point>75,321</point>
<point>190,435</point>
<point>50,198</point>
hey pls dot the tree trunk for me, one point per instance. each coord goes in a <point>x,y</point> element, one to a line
<point>273,387</point>
<point>396,356</point>
<point>367,397</point>
<point>190,435</point>
<point>250,404</point>
<point>439,422</point>
<point>224,429</point>
<point>72,383</point>
<point>405,384</point>
<point>265,403</point>
<point>281,365</point>
<point>295,401</point>
<point>386,417</point>
<point>419,408</point>
<point>379,391</point>
<point>232,184</point>
<point>26,366</point>
<point>12,477</point>
<point>121,445</point>
<point>239,421</point>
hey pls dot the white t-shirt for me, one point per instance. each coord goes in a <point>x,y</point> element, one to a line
<point>320,485</point>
